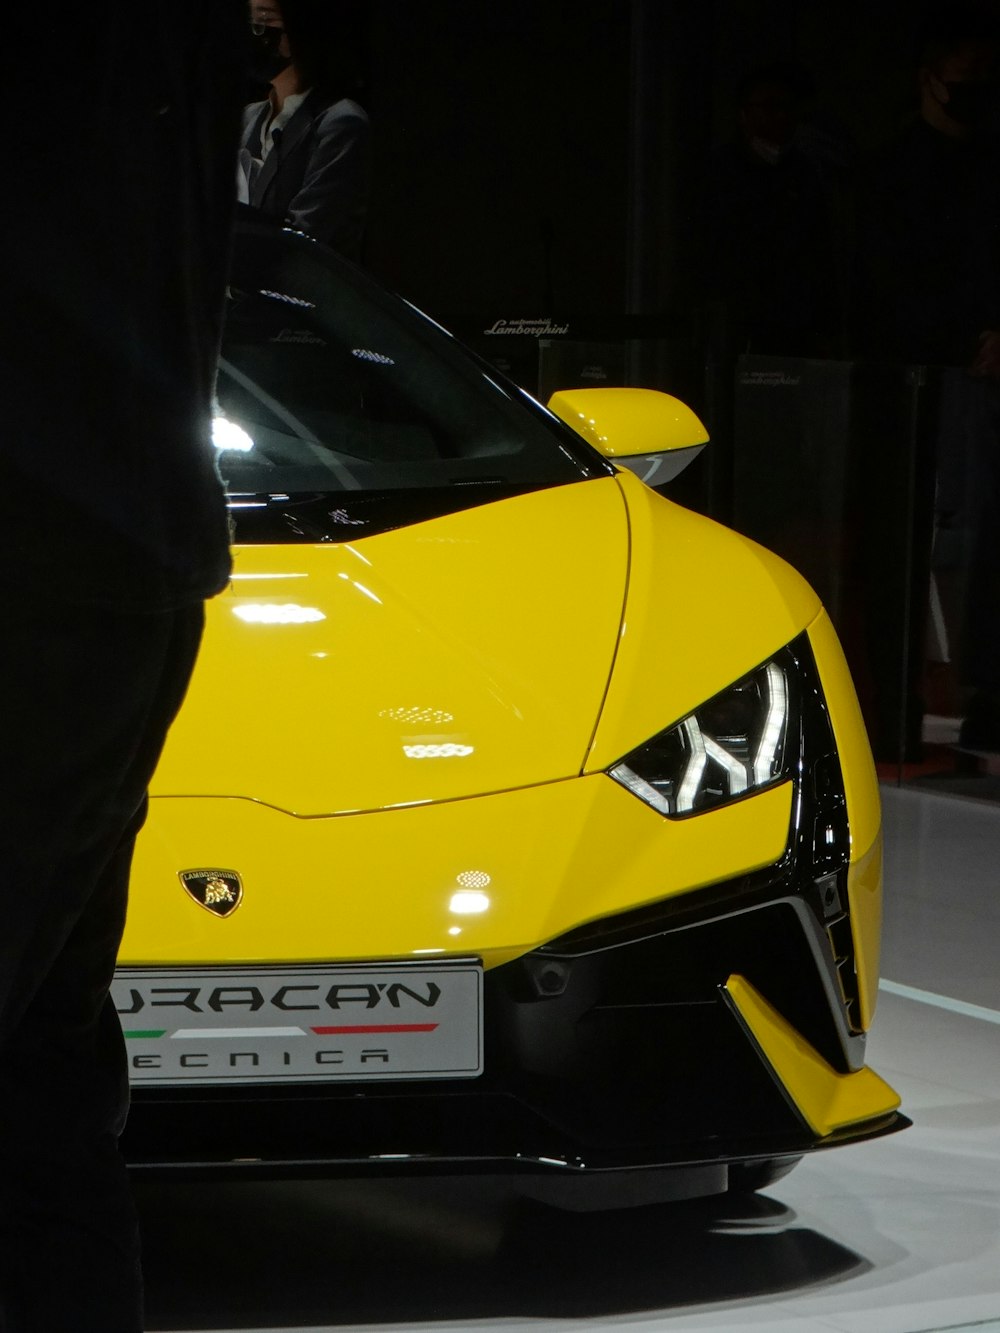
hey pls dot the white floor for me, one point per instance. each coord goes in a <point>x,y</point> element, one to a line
<point>901,1235</point>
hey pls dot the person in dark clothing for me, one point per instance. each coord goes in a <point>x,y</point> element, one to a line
<point>769,259</point>
<point>930,244</point>
<point>304,152</point>
<point>929,294</point>
<point>113,531</point>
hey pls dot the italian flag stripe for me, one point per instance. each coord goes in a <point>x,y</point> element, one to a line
<point>212,1034</point>
<point>368,1028</point>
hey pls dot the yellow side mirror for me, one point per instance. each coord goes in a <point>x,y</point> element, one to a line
<point>651,433</point>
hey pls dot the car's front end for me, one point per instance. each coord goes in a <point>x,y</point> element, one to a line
<point>525,823</point>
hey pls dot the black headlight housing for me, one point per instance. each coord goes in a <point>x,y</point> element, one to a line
<point>812,874</point>
<point>739,742</point>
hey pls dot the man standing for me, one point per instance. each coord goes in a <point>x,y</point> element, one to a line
<point>113,249</point>
<point>928,224</point>
<point>304,152</point>
<point>929,294</point>
<point>770,257</point>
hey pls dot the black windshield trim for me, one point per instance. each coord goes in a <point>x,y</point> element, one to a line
<point>337,517</point>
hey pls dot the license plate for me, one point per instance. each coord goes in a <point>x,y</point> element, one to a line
<point>322,1024</point>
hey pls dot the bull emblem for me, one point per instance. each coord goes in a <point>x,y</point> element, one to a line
<point>218,891</point>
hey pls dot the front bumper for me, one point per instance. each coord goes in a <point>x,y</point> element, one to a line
<point>720,1026</point>
<point>614,1050</point>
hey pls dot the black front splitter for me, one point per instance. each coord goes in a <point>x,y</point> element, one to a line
<point>601,1180</point>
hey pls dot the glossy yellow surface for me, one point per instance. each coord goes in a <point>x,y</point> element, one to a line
<point>827,1100</point>
<point>857,765</point>
<point>705,606</point>
<point>459,656</point>
<point>374,727</point>
<point>384,885</point>
<point>625,422</point>
<point>864,894</point>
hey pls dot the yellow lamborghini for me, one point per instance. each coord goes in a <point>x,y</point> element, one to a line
<point>517,818</point>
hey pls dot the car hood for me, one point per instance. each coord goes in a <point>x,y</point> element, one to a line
<point>456,657</point>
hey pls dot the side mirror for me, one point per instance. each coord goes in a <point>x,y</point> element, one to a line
<point>652,434</point>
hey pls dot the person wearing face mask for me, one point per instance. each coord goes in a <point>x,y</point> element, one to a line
<point>769,258</point>
<point>929,217</point>
<point>928,293</point>
<point>304,151</point>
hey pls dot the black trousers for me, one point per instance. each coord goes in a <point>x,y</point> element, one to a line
<point>86,698</point>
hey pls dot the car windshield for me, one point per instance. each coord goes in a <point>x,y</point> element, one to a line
<point>329,386</point>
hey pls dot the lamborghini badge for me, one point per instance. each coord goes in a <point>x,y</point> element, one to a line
<point>220,891</point>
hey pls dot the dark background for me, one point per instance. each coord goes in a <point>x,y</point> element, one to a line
<point>546,160</point>
<point>545,156</point>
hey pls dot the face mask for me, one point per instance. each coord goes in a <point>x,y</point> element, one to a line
<point>970,102</point>
<point>772,153</point>
<point>265,61</point>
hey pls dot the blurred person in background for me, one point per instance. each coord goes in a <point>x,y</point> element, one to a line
<point>930,212</point>
<point>928,293</point>
<point>304,153</point>
<point>770,264</point>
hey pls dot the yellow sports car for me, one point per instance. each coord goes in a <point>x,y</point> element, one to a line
<point>516,819</point>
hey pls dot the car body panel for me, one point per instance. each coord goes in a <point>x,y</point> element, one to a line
<point>621,423</point>
<point>860,779</point>
<point>381,885</point>
<point>680,646</point>
<point>466,654</point>
<point>827,1100</point>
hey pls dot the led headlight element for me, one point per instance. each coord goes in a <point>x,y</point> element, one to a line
<point>732,745</point>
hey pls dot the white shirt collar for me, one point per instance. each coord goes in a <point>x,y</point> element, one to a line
<point>289,107</point>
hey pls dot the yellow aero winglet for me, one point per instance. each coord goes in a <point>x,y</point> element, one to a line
<point>826,1100</point>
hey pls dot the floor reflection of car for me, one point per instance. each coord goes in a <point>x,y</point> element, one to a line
<point>517,819</point>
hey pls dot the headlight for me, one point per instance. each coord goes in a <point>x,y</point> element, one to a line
<point>731,746</point>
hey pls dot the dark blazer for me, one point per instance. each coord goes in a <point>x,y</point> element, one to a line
<point>316,175</point>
